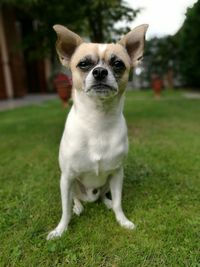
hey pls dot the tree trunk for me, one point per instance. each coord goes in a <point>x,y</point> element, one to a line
<point>95,20</point>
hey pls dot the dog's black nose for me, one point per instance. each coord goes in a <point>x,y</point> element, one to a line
<point>99,73</point>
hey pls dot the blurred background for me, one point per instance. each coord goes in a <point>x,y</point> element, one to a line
<point>28,61</point>
<point>162,170</point>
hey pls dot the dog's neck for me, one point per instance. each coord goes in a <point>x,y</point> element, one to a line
<point>94,110</point>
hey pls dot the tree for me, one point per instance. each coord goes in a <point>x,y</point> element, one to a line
<point>189,39</point>
<point>161,57</point>
<point>95,19</point>
<point>101,16</point>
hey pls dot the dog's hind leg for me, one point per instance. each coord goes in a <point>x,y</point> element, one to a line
<point>107,202</point>
<point>78,207</point>
<point>105,190</point>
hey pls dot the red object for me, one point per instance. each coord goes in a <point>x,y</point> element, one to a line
<point>157,85</point>
<point>63,85</point>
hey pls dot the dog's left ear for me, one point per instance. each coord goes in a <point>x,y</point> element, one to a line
<point>134,43</point>
<point>66,44</point>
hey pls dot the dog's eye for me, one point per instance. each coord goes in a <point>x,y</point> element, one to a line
<point>118,65</point>
<point>85,65</point>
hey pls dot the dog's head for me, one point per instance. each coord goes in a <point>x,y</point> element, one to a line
<point>100,70</point>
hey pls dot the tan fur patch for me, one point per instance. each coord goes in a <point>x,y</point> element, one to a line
<point>97,52</point>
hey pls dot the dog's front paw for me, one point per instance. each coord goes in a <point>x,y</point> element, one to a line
<point>56,233</point>
<point>125,223</point>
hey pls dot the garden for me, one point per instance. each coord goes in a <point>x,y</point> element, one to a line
<point>161,189</point>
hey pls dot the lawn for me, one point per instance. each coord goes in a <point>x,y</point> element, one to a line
<point>161,190</point>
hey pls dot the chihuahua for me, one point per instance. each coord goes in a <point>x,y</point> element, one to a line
<point>95,142</point>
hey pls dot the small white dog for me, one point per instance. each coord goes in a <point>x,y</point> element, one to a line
<point>94,142</point>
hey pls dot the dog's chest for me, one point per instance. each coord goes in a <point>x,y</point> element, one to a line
<point>101,157</point>
<point>95,151</point>
<point>99,152</point>
<point>106,151</point>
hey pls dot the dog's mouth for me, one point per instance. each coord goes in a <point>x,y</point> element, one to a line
<point>102,88</point>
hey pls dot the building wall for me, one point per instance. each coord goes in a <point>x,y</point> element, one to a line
<point>18,76</point>
<point>2,80</point>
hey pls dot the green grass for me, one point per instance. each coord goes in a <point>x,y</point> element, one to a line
<point>161,190</point>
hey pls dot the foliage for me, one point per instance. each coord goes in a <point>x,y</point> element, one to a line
<point>161,190</point>
<point>101,16</point>
<point>189,38</point>
<point>94,19</point>
<point>180,52</point>
<point>160,56</point>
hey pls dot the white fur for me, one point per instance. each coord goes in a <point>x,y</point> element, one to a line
<point>92,150</point>
<point>102,49</point>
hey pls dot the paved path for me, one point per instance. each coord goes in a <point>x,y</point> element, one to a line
<point>27,100</point>
<point>39,98</point>
<point>192,95</point>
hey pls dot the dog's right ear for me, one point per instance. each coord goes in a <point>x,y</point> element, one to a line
<point>66,44</point>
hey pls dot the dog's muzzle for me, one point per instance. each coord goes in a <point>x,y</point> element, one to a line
<point>101,83</point>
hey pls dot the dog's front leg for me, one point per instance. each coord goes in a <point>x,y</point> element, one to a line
<point>66,184</point>
<point>116,182</point>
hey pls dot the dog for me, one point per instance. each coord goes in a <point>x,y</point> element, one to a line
<point>94,142</point>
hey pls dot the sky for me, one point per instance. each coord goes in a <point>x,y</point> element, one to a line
<point>163,16</point>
